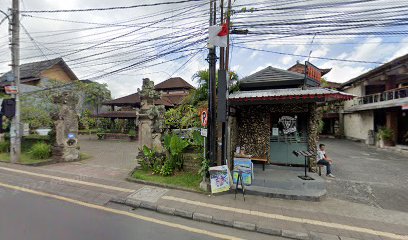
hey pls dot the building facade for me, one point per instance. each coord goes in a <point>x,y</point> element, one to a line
<point>382,102</point>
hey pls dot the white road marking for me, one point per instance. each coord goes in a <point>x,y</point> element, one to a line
<point>249,212</point>
<point>289,219</point>
<point>120,212</point>
<point>69,180</point>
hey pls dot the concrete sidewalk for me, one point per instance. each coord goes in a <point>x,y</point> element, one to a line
<point>329,219</point>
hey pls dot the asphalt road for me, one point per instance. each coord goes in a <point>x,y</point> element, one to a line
<point>368,175</point>
<point>27,216</point>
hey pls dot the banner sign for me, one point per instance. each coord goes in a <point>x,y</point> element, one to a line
<point>220,178</point>
<point>313,72</point>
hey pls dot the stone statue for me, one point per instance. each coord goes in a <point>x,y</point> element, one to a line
<point>150,117</point>
<point>65,147</point>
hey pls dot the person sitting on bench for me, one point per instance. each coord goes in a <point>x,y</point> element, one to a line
<point>322,159</point>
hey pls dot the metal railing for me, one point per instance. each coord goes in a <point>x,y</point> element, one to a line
<point>383,96</point>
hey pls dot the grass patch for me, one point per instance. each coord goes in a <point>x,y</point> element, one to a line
<point>179,179</point>
<point>25,158</point>
<point>84,156</point>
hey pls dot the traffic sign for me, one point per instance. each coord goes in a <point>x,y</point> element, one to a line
<point>204,117</point>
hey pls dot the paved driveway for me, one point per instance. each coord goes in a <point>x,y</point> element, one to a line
<point>110,159</point>
<point>368,175</point>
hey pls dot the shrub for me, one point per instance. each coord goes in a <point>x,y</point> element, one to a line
<point>132,133</point>
<point>167,168</point>
<point>175,146</point>
<point>40,151</point>
<point>100,135</point>
<point>385,134</point>
<point>4,146</point>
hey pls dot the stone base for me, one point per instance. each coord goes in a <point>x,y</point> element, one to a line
<point>65,154</point>
<point>205,186</point>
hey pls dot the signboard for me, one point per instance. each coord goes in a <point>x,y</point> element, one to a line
<point>275,131</point>
<point>313,72</point>
<point>204,117</point>
<point>288,124</point>
<point>244,165</point>
<point>404,107</point>
<point>204,132</point>
<point>71,136</point>
<point>10,89</point>
<point>220,179</point>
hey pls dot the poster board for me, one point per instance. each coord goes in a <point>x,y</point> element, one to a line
<point>246,166</point>
<point>220,179</point>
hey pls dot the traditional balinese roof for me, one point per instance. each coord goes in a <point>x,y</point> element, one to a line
<point>116,114</point>
<point>32,71</point>
<point>134,100</point>
<point>173,83</point>
<point>387,66</point>
<point>272,77</point>
<point>323,71</point>
<point>316,94</point>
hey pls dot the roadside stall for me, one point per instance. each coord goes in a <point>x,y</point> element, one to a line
<point>275,113</point>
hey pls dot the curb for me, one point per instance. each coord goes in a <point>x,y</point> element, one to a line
<point>247,226</point>
<point>129,178</point>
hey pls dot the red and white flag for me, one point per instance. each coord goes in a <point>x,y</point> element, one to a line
<point>217,35</point>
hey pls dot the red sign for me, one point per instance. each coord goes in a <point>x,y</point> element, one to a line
<point>313,72</point>
<point>10,89</point>
<point>204,117</point>
<point>404,107</point>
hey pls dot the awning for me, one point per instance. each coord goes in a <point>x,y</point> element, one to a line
<point>290,94</point>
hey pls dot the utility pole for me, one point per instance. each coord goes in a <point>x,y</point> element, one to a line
<point>212,59</point>
<point>15,137</point>
<point>227,51</point>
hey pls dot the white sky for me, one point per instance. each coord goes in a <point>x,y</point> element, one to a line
<point>128,44</point>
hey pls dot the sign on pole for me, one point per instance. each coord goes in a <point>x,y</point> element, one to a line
<point>204,117</point>
<point>313,72</point>
<point>10,89</point>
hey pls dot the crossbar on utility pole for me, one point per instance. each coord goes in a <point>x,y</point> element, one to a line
<point>15,137</point>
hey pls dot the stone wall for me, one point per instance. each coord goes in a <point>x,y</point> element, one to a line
<point>192,162</point>
<point>313,136</point>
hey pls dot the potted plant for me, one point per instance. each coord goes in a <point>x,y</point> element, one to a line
<point>385,137</point>
<point>132,134</point>
<point>100,134</point>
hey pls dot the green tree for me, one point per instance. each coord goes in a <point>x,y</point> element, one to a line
<point>94,93</point>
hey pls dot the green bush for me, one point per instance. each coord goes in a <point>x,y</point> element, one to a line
<point>40,151</point>
<point>4,146</point>
<point>385,134</point>
<point>132,133</point>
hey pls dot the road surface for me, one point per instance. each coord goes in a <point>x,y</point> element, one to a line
<point>29,216</point>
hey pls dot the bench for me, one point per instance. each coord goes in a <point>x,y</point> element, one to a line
<point>320,166</point>
<point>260,159</point>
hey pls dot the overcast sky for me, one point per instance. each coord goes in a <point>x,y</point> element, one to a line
<point>120,47</point>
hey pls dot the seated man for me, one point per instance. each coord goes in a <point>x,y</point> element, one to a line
<point>322,159</point>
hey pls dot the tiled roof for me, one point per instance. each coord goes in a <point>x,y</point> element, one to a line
<point>32,71</point>
<point>271,74</point>
<point>117,114</point>
<point>173,83</point>
<point>288,93</point>
<point>134,100</point>
<point>131,99</point>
